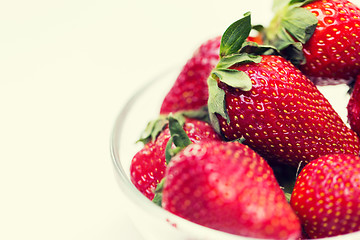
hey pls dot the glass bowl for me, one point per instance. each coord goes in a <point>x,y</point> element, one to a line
<point>153,222</point>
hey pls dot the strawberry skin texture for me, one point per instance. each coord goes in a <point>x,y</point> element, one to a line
<point>353,107</point>
<point>209,50</point>
<point>332,53</point>
<point>189,91</point>
<point>326,196</point>
<point>228,187</point>
<point>284,117</point>
<point>148,165</point>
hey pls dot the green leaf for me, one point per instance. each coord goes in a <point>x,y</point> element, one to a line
<point>235,35</point>
<point>300,2</point>
<point>228,61</point>
<point>215,122</point>
<point>295,54</point>
<point>200,114</point>
<point>158,192</point>
<point>300,23</point>
<point>287,196</point>
<point>153,128</point>
<point>234,78</point>
<point>258,27</point>
<point>256,50</point>
<point>178,116</point>
<point>168,153</point>
<point>290,49</point>
<point>216,103</point>
<point>216,100</point>
<point>290,25</point>
<point>240,140</point>
<point>178,137</point>
<point>283,39</point>
<point>178,134</point>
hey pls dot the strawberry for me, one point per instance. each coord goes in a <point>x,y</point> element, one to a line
<point>326,196</point>
<point>190,91</point>
<point>228,187</point>
<point>353,107</point>
<point>278,110</point>
<point>148,165</point>
<point>322,37</point>
<point>209,51</point>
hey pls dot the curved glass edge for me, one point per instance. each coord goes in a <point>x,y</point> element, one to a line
<point>130,190</point>
<point>119,125</point>
<point>142,201</point>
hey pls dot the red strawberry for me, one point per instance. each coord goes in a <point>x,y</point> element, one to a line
<point>325,35</point>
<point>228,187</point>
<point>353,107</point>
<point>280,113</point>
<point>209,51</point>
<point>148,165</point>
<point>326,196</point>
<point>256,39</point>
<point>189,91</point>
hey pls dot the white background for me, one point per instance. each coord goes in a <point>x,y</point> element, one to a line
<point>66,69</point>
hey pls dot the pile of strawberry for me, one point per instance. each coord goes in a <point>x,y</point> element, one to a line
<point>245,142</point>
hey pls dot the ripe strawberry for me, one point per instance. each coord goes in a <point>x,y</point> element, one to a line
<point>280,113</point>
<point>326,196</point>
<point>190,91</point>
<point>325,35</point>
<point>148,165</point>
<point>209,50</point>
<point>228,187</point>
<point>353,107</point>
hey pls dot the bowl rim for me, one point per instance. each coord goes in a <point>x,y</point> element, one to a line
<point>143,202</point>
<point>135,195</point>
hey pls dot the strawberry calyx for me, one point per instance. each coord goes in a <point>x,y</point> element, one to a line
<point>152,129</point>
<point>291,27</point>
<point>158,193</point>
<point>234,49</point>
<point>178,137</point>
<point>155,126</point>
<point>235,36</point>
<point>180,140</point>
